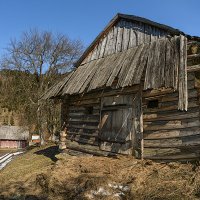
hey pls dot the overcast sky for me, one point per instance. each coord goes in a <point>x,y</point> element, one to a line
<point>84,19</point>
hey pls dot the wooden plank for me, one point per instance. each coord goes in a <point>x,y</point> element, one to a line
<point>126,36</point>
<point>173,96</point>
<point>114,40</point>
<point>173,107</point>
<point>87,74</point>
<point>172,126</point>
<point>137,76</point>
<point>79,139</point>
<point>172,133</point>
<point>141,30</point>
<point>91,72</point>
<point>183,93</point>
<point>103,45</point>
<point>83,127</point>
<point>150,93</point>
<point>193,68</point>
<point>93,134</point>
<point>82,114</point>
<point>80,102</point>
<point>148,75</point>
<point>160,152</point>
<point>119,36</point>
<point>105,92</point>
<point>193,56</point>
<point>132,68</point>
<point>78,81</point>
<point>94,150</point>
<point>147,30</point>
<point>183,157</point>
<point>80,130</point>
<point>118,65</point>
<point>155,68</point>
<point>133,36</point>
<point>189,142</point>
<point>107,70</point>
<point>109,42</point>
<point>98,50</point>
<point>137,125</point>
<point>126,65</point>
<point>73,107</point>
<point>102,74</point>
<point>94,53</point>
<point>172,116</point>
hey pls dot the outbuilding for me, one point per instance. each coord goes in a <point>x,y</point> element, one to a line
<point>134,91</point>
<point>14,137</point>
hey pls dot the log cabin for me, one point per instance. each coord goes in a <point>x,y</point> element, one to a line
<point>13,137</point>
<point>134,91</point>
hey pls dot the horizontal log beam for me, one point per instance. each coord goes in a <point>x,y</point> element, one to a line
<point>95,134</point>
<point>174,108</point>
<point>170,158</point>
<point>83,127</point>
<point>175,116</point>
<point>105,93</point>
<point>94,150</point>
<point>193,68</point>
<point>82,120</point>
<point>193,56</point>
<point>84,141</point>
<point>171,134</point>
<point>184,143</point>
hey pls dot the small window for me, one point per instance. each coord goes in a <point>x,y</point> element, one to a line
<point>89,110</point>
<point>152,103</point>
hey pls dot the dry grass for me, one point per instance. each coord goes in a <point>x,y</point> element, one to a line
<point>36,175</point>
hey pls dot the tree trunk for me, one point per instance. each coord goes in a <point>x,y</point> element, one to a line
<point>42,141</point>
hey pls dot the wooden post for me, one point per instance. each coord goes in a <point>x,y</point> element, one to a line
<point>141,127</point>
<point>63,133</point>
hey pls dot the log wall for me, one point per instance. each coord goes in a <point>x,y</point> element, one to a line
<point>83,120</point>
<point>85,127</point>
<point>170,134</point>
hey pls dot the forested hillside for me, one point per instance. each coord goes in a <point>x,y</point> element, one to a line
<point>29,67</point>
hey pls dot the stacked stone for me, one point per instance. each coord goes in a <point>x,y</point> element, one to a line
<point>63,139</point>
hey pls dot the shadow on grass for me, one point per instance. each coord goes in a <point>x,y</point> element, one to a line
<point>49,152</point>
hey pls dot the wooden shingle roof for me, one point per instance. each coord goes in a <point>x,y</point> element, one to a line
<point>13,133</point>
<point>162,62</point>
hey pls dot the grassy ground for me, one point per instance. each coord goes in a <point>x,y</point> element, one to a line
<point>42,174</point>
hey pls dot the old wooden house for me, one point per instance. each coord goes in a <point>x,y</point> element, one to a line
<point>13,137</point>
<point>135,91</point>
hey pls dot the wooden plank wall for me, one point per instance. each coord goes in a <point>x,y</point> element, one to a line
<point>116,125</point>
<point>170,134</point>
<point>122,36</point>
<point>84,129</point>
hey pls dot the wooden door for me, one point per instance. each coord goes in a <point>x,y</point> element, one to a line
<point>118,124</point>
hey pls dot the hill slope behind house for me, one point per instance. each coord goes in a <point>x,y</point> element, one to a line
<point>42,174</point>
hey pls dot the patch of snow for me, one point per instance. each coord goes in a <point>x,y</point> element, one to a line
<point>4,160</point>
<point>101,191</point>
<point>120,187</point>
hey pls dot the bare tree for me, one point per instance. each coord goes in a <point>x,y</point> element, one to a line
<point>42,56</point>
